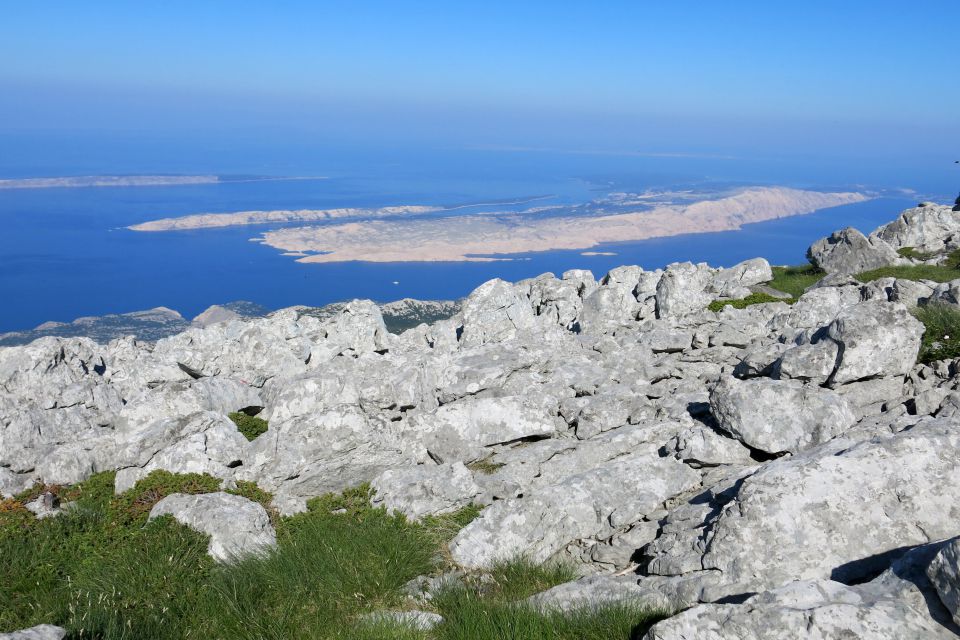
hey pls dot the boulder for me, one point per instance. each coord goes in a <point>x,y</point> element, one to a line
<point>494,312</point>
<point>425,490</point>
<point>779,416</point>
<point>944,574</point>
<point>849,251</point>
<point>930,229</point>
<point>583,505</point>
<point>237,527</point>
<point>876,339</point>
<point>684,289</point>
<point>839,511</point>
<point>39,632</point>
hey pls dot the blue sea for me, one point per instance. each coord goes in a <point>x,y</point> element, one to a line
<point>65,252</point>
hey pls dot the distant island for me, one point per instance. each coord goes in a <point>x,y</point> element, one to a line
<point>375,235</point>
<point>134,181</point>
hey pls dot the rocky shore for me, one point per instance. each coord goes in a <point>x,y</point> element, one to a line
<point>781,470</point>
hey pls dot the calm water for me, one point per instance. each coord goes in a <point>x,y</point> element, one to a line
<point>65,253</point>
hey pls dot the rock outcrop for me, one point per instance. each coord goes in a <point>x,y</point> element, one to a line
<point>777,469</point>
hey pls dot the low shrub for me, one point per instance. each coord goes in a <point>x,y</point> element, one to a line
<point>795,280</point>
<point>941,335</point>
<point>250,426</point>
<point>742,303</point>
<point>913,254</point>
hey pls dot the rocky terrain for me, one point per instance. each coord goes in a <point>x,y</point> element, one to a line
<point>773,471</point>
<point>153,324</point>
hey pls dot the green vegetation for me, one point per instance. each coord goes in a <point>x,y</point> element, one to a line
<point>249,426</point>
<point>941,336</point>
<point>102,571</point>
<point>486,466</point>
<point>946,271</point>
<point>795,280</point>
<point>742,303</point>
<point>913,254</point>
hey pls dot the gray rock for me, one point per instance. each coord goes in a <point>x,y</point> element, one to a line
<point>44,506</point>
<point>926,228</point>
<point>849,251</point>
<point>779,416</point>
<point>494,313</point>
<point>586,504</point>
<point>39,632</point>
<point>684,289</point>
<point>876,339</point>
<point>729,283</point>
<point>237,527</point>
<point>425,490</point>
<point>895,605</point>
<point>946,293</point>
<point>903,488</point>
<point>944,574</point>
<point>667,593</point>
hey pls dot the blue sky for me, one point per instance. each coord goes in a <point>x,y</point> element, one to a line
<point>704,76</point>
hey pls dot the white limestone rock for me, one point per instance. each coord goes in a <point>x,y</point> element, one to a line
<point>779,416</point>
<point>848,252</point>
<point>237,527</point>
<point>425,490</point>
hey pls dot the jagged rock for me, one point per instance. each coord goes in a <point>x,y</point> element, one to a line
<point>204,442</point>
<point>39,632</point>
<point>926,228</point>
<point>425,490</point>
<point>779,416</point>
<point>464,429</point>
<point>903,488</point>
<point>875,339</point>
<point>494,313</point>
<point>683,289</point>
<point>946,293</point>
<point>318,453</point>
<point>614,303</point>
<point>702,446</point>
<point>849,251</point>
<point>586,504</point>
<point>808,362</point>
<point>733,282</point>
<point>895,605</point>
<point>359,328</point>
<point>237,527</point>
<point>944,573</point>
<point>667,593</point>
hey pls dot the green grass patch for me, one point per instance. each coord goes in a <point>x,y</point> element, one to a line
<point>495,609</point>
<point>743,303</point>
<point>947,270</point>
<point>795,280</point>
<point>913,254</point>
<point>249,426</point>
<point>102,571</point>
<point>941,335</point>
<point>485,466</point>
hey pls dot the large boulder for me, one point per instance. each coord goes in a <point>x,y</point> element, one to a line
<point>944,574</point>
<point>425,489</point>
<point>684,288</point>
<point>779,416</point>
<point>849,251</point>
<point>586,504</point>
<point>838,511</point>
<point>931,228</point>
<point>876,339</point>
<point>494,312</point>
<point>894,606</point>
<point>237,527</point>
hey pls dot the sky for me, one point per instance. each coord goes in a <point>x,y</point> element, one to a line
<point>875,77</point>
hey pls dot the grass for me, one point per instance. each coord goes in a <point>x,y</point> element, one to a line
<point>946,271</point>
<point>102,571</point>
<point>249,426</point>
<point>742,303</point>
<point>913,254</point>
<point>795,280</point>
<point>485,466</point>
<point>941,336</point>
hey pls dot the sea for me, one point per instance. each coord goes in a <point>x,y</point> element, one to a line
<point>66,252</point>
